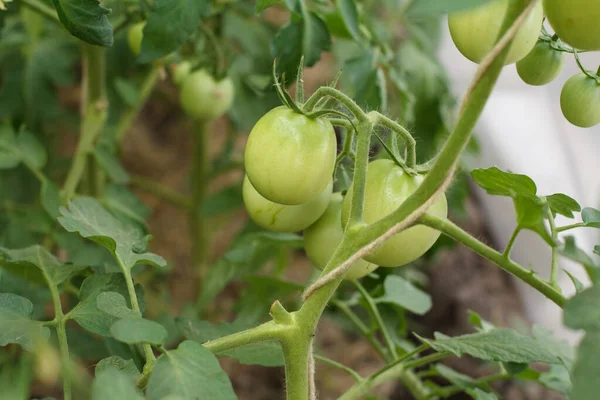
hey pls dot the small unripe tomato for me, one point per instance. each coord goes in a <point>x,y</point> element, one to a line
<point>474,31</point>
<point>281,218</point>
<point>203,98</point>
<point>577,22</point>
<point>580,101</point>
<point>289,157</point>
<point>322,238</point>
<point>135,34</point>
<point>181,71</point>
<point>542,65</point>
<point>386,188</point>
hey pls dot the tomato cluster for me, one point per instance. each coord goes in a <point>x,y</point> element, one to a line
<point>290,160</point>
<point>576,23</point>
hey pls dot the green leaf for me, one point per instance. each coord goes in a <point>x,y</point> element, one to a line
<point>583,310</point>
<point>561,348</point>
<point>425,8</point>
<point>556,378</point>
<point>479,394</point>
<point>226,200</point>
<point>455,378</point>
<point>16,325</point>
<point>86,20</point>
<point>109,163</point>
<point>500,183</point>
<point>350,16</point>
<point>262,5</point>
<point>88,315</point>
<point>506,345</point>
<point>32,263</point>
<point>115,304</point>
<point>87,217</point>
<point>579,287</point>
<point>122,202</point>
<point>10,157</point>
<point>404,294</point>
<point>128,91</point>
<point>306,37</point>
<point>368,81</point>
<point>188,371</point>
<point>116,362</point>
<point>50,197</point>
<point>112,383</point>
<point>170,24</point>
<point>32,151</point>
<point>267,354</point>
<point>562,204</point>
<point>586,384</point>
<point>531,213</point>
<point>476,320</point>
<point>138,330</point>
<point>572,252</point>
<point>591,217</point>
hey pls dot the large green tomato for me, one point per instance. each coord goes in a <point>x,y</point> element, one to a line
<point>135,34</point>
<point>577,22</point>
<point>322,238</point>
<point>281,218</point>
<point>474,31</point>
<point>580,101</point>
<point>386,188</point>
<point>542,65</point>
<point>203,98</point>
<point>289,157</point>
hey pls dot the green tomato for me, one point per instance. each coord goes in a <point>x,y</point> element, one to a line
<point>181,71</point>
<point>474,31</point>
<point>290,158</point>
<point>542,65</point>
<point>322,238</point>
<point>281,218</point>
<point>203,98</point>
<point>577,22</point>
<point>135,34</point>
<point>580,101</point>
<point>386,188</point>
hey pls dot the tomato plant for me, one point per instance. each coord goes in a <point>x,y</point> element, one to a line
<point>576,22</point>
<point>105,163</point>
<point>475,31</point>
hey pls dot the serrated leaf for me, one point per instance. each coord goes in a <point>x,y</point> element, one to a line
<point>116,362</point>
<point>50,197</point>
<point>109,163</point>
<point>88,315</point>
<point>187,371</point>
<point>86,20</point>
<point>579,287</point>
<point>87,217</point>
<point>591,217</point>
<point>306,37</point>
<point>36,264</point>
<point>138,330</point>
<point>583,310</point>
<point>572,252</point>
<point>499,183</point>
<point>562,204</point>
<point>482,324</point>
<point>267,354</point>
<point>426,8</point>
<point>531,214</point>
<point>561,348</point>
<point>506,345</point>
<point>112,383</point>
<point>114,304</point>
<point>586,384</point>
<point>404,294</point>
<point>170,24</point>
<point>16,325</point>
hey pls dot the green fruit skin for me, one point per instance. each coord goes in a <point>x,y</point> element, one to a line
<point>203,98</point>
<point>386,188</point>
<point>580,101</point>
<point>281,218</point>
<point>542,65</point>
<point>474,31</point>
<point>290,158</point>
<point>135,34</point>
<point>577,22</point>
<point>323,237</point>
<point>181,71</point>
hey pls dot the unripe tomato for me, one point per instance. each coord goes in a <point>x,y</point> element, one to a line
<point>203,98</point>
<point>181,71</point>
<point>474,31</point>
<point>135,34</point>
<point>322,238</point>
<point>542,65</point>
<point>289,157</point>
<point>580,101</point>
<point>577,22</point>
<point>281,218</point>
<point>386,188</point>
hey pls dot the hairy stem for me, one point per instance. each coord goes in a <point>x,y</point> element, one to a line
<point>554,262</point>
<point>511,242</point>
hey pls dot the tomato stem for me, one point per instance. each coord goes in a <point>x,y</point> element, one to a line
<point>200,166</point>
